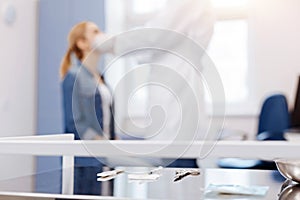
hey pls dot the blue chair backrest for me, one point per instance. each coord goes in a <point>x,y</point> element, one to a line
<point>274,116</point>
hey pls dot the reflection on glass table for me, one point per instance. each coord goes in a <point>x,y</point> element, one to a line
<point>163,187</point>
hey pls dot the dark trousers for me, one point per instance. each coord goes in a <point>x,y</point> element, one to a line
<point>184,163</point>
<point>85,181</point>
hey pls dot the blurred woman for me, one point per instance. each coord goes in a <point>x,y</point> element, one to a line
<point>87,101</point>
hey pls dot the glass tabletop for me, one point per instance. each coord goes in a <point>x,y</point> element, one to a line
<point>190,187</point>
<point>196,187</point>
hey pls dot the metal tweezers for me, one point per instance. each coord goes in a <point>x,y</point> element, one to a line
<point>180,174</point>
<point>108,175</point>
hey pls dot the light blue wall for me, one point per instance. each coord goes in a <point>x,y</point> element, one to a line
<point>56,17</point>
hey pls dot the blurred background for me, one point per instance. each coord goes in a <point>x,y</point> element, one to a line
<point>255,47</point>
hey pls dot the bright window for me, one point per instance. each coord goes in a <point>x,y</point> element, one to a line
<point>228,51</point>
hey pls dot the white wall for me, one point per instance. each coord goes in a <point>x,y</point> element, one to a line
<point>18,101</point>
<point>274,49</point>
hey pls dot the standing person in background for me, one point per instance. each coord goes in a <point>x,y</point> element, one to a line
<point>197,23</point>
<point>87,101</point>
<point>172,120</point>
<point>195,20</point>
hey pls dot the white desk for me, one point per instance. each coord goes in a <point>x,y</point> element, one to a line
<point>245,149</point>
<point>268,150</point>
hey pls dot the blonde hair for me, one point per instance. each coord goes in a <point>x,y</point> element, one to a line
<point>76,33</point>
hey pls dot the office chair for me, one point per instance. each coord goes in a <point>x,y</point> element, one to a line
<point>273,121</point>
